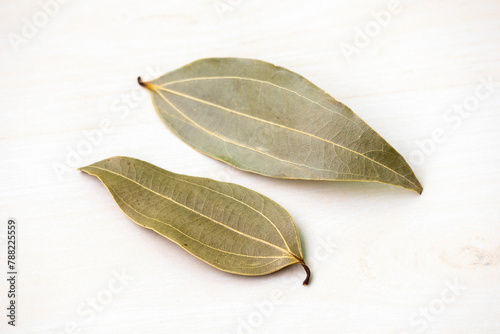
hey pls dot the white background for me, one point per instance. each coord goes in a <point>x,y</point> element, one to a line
<point>384,259</point>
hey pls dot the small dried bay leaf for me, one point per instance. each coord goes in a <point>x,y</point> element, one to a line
<point>228,226</point>
<point>265,119</point>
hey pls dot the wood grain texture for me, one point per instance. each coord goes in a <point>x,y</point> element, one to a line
<point>380,254</point>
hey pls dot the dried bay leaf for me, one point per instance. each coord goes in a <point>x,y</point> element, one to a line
<point>228,226</point>
<point>265,119</point>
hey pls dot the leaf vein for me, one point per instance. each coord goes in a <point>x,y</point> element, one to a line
<point>279,125</point>
<point>198,213</point>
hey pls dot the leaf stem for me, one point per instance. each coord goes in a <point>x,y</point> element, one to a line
<point>142,83</point>
<point>308,272</point>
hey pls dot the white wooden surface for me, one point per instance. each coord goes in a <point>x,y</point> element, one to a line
<point>384,260</point>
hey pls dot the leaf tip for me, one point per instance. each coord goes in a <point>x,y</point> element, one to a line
<point>308,273</point>
<point>83,169</point>
<point>418,188</point>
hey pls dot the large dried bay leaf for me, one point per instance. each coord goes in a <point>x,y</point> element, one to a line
<point>230,227</point>
<point>265,119</point>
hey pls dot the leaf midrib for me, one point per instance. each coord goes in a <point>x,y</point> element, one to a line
<point>159,88</point>
<point>197,240</point>
<point>225,139</point>
<point>199,213</point>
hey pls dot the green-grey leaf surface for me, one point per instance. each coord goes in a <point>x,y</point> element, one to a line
<point>266,119</point>
<point>230,227</point>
